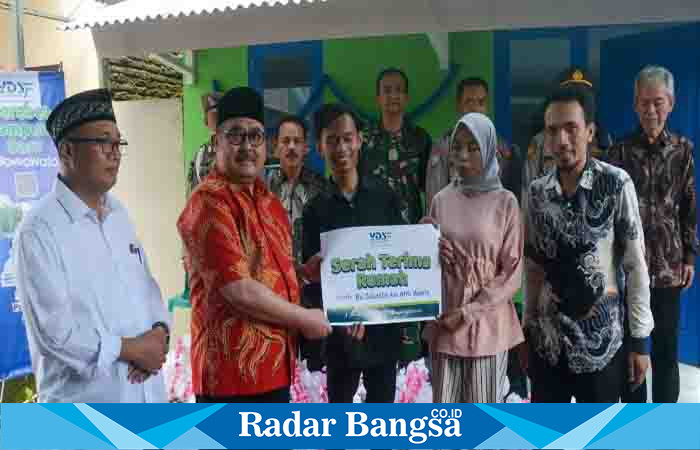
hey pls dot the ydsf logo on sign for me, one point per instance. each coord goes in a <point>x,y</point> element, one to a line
<point>380,236</point>
<point>16,89</point>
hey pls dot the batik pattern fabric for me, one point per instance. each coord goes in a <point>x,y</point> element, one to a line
<point>294,196</point>
<point>232,234</point>
<point>664,178</point>
<point>574,247</point>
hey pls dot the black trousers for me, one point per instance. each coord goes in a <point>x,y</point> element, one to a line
<point>665,386</point>
<point>276,396</point>
<point>516,375</point>
<point>379,381</point>
<point>558,384</point>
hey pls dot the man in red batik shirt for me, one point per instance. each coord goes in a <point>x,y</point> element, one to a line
<point>245,295</point>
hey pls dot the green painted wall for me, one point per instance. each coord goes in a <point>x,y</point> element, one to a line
<point>227,65</point>
<point>355,63</point>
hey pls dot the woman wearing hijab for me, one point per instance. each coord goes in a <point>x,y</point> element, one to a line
<point>481,251</point>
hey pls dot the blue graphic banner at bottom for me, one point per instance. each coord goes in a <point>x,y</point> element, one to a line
<point>329,426</point>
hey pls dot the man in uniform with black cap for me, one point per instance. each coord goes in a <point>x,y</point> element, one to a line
<point>245,294</point>
<point>95,317</point>
<point>539,160</point>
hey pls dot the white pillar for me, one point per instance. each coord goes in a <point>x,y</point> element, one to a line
<point>16,28</point>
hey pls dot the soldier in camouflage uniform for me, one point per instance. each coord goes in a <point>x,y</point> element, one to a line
<point>397,152</point>
<point>394,149</point>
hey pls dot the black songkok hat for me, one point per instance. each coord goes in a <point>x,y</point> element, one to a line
<point>240,102</point>
<point>79,109</point>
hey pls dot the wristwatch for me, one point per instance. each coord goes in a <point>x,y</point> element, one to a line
<point>165,328</point>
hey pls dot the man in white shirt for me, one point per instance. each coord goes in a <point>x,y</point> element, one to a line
<point>95,319</point>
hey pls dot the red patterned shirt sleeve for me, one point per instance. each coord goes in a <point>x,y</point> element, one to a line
<point>214,244</point>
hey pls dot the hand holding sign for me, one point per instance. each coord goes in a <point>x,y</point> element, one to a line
<point>315,325</point>
<point>356,331</point>
<point>312,268</point>
<point>427,220</point>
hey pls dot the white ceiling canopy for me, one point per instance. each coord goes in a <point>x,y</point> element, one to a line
<point>134,27</point>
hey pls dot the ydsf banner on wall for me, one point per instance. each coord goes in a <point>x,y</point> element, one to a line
<point>28,167</point>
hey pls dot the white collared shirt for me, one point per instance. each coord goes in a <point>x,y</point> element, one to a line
<point>83,285</point>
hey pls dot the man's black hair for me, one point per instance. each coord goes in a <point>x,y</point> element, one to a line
<point>392,71</point>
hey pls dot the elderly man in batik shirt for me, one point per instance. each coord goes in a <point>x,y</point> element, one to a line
<point>661,165</point>
<point>292,182</point>
<point>582,223</point>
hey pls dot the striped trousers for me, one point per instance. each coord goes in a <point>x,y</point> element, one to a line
<point>470,380</point>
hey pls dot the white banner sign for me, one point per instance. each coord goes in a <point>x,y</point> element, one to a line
<point>376,275</point>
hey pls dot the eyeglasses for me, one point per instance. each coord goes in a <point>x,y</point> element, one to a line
<point>235,136</point>
<point>107,146</point>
